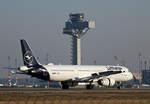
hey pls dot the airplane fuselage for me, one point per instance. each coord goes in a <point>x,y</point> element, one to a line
<point>73,72</point>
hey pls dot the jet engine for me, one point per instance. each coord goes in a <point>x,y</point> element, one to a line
<point>106,82</point>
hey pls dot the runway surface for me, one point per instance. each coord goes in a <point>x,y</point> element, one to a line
<point>74,96</point>
<point>72,90</point>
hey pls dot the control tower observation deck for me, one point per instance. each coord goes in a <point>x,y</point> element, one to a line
<point>77,27</point>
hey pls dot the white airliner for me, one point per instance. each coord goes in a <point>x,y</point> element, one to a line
<point>71,75</point>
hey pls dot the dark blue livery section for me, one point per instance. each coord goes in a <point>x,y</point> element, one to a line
<point>28,58</point>
<point>35,69</point>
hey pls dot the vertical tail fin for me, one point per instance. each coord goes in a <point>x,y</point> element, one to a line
<point>28,58</point>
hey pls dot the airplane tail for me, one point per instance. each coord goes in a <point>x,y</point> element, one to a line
<point>28,58</point>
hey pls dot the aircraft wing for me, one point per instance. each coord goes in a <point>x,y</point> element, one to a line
<point>96,76</point>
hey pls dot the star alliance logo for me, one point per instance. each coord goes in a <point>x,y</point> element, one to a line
<point>28,57</point>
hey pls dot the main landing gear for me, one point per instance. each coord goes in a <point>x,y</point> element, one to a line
<point>64,85</point>
<point>119,85</point>
<point>89,86</point>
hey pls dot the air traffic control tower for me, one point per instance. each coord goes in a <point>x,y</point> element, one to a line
<point>77,27</point>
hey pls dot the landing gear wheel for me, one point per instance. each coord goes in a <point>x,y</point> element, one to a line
<point>119,85</point>
<point>89,86</point>
<point>64,85</point>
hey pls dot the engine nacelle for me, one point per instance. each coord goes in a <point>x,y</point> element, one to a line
<point>23,68</point>
<point>106,82</point>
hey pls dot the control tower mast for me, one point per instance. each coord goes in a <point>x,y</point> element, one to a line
<point>76,27</point>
